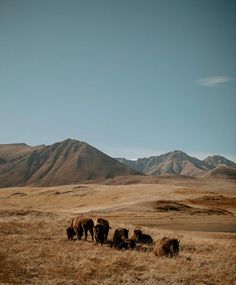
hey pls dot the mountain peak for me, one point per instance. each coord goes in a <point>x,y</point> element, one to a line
<point>179,152</point>
<point>66,162</point>
<point>218,160</point>
<point>69,140</point>
<point>176,151</point>
<point>176,154</point>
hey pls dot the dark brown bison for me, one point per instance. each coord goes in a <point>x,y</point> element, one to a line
<point>101,229</point>
<point>99,233</point>
<point>121,240</point>
<point>166,247</point>
<point>79,226</point>
<point>139,237</point>
<point>70,233</point>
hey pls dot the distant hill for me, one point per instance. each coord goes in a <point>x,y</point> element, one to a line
<point>9,152</point>
<point>177,163</point>
<point>221,172</point>
<point>138,165</point>
<point>217,160</point>
<point>66,162</point>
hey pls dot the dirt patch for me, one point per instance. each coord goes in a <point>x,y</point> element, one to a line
<point>81,187</point>
<point>65,192</point>
<point>18,194</point>
<point>9,213</point>
<point>214,201</point>
<point>130,180</point>
<point>208,211</point>
<point>76,191</point>
<point>192,191</point>
<point>166,205</point>
<point>173,206</point>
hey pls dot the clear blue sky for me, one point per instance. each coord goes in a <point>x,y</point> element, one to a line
<point>132,78</point>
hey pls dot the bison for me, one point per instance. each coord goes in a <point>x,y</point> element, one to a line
<point>167,247</point>
<point>79,226</point>
<point>139,237</point>
<point>101,230</point>
<point>99,233</point>
<point>121,241</point>
<point>70,233</point>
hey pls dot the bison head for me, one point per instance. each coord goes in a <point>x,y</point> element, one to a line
<point>137,233</point>
<point>99,233</point>
<point>70,233</point>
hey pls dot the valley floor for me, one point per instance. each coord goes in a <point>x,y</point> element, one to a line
<point>200,213</point>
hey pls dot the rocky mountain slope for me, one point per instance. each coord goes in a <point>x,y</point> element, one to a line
<point>61,163</point>
<point>177,163</point>
<point>217,160</point>
<point>221,172</point>
<point>72,161</point>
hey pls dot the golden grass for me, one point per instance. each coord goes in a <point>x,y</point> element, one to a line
<point>34,248</point>
<point>35,251</point>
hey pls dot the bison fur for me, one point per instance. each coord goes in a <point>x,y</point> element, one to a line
<point>139,237</point>
<point>80,226</point>
<point>121,240</point>
<point>101,228</point>
<point>167,247</point>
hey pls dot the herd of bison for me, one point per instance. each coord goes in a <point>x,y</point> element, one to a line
<point>81,226</point>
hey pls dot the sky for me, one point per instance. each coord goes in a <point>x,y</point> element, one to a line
<point>132,78</point>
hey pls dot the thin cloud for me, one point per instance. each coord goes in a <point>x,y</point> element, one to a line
<point>214,81</point>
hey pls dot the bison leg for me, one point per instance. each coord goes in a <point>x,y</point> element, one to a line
<point>79,232</point>
<point>106,235</point>
<point>91,232</point>
<point>85,233</point>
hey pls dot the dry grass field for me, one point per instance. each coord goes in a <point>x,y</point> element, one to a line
<point>200,213</point>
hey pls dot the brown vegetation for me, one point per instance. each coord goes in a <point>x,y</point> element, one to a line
<point>38,253</point>
<point>34,248</point>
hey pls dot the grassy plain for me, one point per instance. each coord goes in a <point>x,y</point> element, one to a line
<point>199,212</point>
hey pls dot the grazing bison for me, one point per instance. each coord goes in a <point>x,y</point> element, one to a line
<point>121,241</point>
<point>80,226</point>
<point>70,233</point>
<point>102,228</point>
<point>167,247</point>
<point>99,233</point>
<point>139,237</point>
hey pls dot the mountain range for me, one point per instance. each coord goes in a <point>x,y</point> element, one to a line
<point>179,163</point>
<point>72,161</point>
